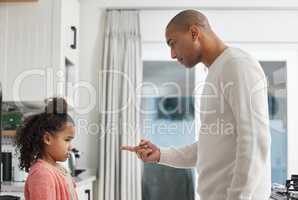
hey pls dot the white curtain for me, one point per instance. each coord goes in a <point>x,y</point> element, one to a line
<point>120,76</point>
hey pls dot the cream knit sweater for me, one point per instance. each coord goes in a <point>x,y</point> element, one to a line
<point>232,155</point>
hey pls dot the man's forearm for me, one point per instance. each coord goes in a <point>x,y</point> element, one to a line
<point>185,157</point>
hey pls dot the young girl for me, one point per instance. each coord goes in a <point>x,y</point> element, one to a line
<point>43,140</point>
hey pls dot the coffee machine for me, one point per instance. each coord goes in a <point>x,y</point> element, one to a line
<point>71,162</point>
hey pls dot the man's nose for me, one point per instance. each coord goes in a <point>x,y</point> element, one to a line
<point>173,54</point>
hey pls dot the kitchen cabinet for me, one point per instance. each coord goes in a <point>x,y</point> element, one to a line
<point>70,28</point>
<point>85,191</point>
<point>85,186</point>
<point>38,49</point>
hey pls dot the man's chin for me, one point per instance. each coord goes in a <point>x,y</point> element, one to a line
<point>191,65</point>
<point>188,66</point>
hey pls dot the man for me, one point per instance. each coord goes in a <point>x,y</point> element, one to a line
<point>232,154</point>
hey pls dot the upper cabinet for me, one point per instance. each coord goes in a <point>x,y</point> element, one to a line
<point>70,28</point>
<point>39,48</point>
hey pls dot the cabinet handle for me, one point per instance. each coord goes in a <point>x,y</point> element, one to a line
<point>88,193</point>
<point>74,44</point>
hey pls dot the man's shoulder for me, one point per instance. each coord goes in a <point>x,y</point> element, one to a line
<point>242,65</point>
<point>238,55</point>
<point>232,58</point>
<point>238,59</point>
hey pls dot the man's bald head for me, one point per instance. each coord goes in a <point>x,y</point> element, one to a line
<point>183,20</point>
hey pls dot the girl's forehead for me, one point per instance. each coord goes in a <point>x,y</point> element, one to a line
<point>68,129</point>
<point>69,124</point>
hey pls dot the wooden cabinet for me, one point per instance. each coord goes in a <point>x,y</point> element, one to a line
<point>36,46</point>
<point>9,133</point>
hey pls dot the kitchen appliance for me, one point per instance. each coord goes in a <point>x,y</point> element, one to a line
<point>6,166</point>
<point>287,192</point>
<point>71,163</point>
<point>72,160</point>
<point>74,155</point>
<point>18,175</point>
<point>10,162</point>
<point>292,184</point>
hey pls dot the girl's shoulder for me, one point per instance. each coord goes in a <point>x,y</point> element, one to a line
<point>41,169</point>
<point>40,176</point>
<point>41,182</point>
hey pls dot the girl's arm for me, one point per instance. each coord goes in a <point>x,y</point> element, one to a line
<point>40,186</point>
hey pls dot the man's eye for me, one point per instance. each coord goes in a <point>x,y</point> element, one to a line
<point>173,43</point>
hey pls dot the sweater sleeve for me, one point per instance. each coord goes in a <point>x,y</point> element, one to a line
<point>40,185</point>
<point>185,157</point>
<point>245,90</point>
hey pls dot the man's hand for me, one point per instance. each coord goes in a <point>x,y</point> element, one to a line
<point>146,151</point>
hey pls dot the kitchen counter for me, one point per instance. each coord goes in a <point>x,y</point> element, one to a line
<point>12,187</point>
<point>18,187</point>
<point>84,178</point>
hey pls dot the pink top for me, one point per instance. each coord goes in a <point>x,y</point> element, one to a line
<point>46,182</point>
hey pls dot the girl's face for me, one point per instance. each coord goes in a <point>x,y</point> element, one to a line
<point>58,145</point>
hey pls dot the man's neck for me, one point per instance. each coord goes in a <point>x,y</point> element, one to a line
<point>212,50</point>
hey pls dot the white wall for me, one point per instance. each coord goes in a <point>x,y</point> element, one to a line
<point>234,27</point>
<point>90,59</point>
<point>202,4</point>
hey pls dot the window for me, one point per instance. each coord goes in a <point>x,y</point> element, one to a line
<point>276,73</point>
<point>168,120</point>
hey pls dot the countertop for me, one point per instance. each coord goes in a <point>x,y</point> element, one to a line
<point>82,179</point>
<point>85,177</point>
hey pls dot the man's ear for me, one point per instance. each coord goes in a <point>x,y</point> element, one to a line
<point>195,32</point>
<point>47,138</point>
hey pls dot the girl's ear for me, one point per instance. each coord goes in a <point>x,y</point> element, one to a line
<point>47,138</point>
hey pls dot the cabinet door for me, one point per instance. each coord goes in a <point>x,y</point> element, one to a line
<point>85,192</point>
<point>26,57</point>
<point>70,29</point>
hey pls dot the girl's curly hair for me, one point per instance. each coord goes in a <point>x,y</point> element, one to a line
<point>29,138</point>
